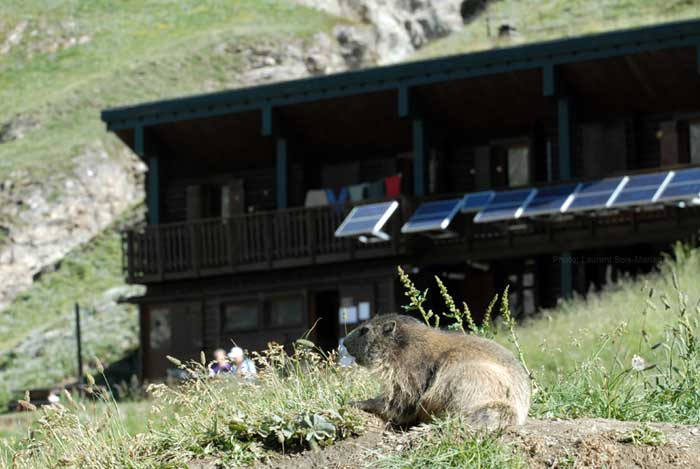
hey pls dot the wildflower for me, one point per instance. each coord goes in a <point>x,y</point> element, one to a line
<point>638,363</point>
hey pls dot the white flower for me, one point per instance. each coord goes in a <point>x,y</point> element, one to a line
<point>638,363</point>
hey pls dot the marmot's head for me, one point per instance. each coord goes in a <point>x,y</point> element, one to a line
<point>378,338</point>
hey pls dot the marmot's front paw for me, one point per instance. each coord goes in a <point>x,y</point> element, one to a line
<point>369,405</point>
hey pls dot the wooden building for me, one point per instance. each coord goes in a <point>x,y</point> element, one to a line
<point>231,250</point>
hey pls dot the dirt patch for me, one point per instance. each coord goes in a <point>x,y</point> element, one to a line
<point>583,443</point>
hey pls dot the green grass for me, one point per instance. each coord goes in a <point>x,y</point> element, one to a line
<point>452,444</point>
<point>539,20</point>
<point>302,401</point>
<point>37,344</point>
<point>137,51</point>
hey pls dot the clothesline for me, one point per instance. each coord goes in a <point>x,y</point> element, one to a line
<point>386,187</point>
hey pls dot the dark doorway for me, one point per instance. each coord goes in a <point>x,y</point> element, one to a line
<point>326,314</point>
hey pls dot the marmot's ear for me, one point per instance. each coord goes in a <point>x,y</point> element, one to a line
<point>389,328</point>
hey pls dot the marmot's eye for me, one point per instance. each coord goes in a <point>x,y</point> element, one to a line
<point>363,330</point>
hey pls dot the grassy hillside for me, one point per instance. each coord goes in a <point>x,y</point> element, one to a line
<point>538,20</point>
<point>37,339</point>
<point>76,57</point>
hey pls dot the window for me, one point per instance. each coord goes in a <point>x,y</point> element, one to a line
<point>695,142</point>
<point>241,316</point>
<point>287,311</point>
<point>518,165</point>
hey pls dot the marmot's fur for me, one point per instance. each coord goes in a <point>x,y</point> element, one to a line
<point>425,372</point>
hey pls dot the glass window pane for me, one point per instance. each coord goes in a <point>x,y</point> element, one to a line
<point>241,316</point>
<point>518,166</point>
<point>287,311</point>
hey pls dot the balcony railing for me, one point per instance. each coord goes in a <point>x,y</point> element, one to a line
<point>276,239</point>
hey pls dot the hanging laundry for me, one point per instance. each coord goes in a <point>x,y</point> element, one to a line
<point>358,192</point>
<point>316,198</point>
<point>340,199</point>
<point>376,190</point>
<point>393,186</point>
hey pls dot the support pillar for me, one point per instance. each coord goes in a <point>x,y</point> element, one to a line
<point>145,149</point>
<point>419,157</point>
<point>564,121</point>
<point>282,172</point>
<point>566,273</point>
<point>271,128</point>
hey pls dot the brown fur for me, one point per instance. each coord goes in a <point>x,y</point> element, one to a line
<point>426,372</point>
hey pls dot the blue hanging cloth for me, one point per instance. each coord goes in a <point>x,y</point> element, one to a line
<point>340,200</point>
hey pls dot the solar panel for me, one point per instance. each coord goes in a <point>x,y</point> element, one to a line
<point>549,200</point>
<point>476,201</point>
<point>433,216</point>
<point>683,185</point>
<point>639,190</point>
<point>367,221</point>
<point>593,195</point>
<point>505,206</point>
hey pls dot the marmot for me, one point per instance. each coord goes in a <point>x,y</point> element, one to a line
<point>426,372</point>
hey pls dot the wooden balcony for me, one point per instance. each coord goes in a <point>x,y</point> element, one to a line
<point>305,236</point>
<point>266,240</point>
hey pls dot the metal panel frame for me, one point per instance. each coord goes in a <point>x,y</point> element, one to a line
<point>377,227</point>
<point>444,222</point>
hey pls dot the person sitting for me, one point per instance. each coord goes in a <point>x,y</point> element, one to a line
<point>221,364</point>
<point>242,367</point>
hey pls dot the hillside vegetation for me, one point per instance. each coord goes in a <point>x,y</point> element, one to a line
<point>532,20</point>
<point>74,58</point>
<point>641,365</point>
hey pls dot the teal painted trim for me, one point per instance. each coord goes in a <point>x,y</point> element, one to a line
<point>697,58</point>
<point>153,191</point>
<point>613,44</point>
<point>404,101</point>
<point>139,141</point>
<point>566,274</point>
<point>419,150</point>
<point>282,173</point>
<point>564,119</point>
<point>549,80</point>
<point>268,126</point>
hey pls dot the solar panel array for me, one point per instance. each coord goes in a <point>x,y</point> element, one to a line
<point>433,216</point>
<point>367,221</point>
<point>610,193</point>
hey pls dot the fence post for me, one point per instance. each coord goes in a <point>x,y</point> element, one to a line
<point>79,344</point>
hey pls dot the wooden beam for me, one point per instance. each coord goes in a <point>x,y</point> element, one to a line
<point>282,172</point>
<point>404,103</point>
<point>419,157</point>
<point>269,126</point>
<point>549,81</point>
<point>564,123</point>
<point>145,148</point>
<point>566,274</point>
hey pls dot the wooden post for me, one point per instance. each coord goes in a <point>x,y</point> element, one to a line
<point>419,157</point>
<point>233,244</point>
<point>311,216</point>
<point>282,173</point>
<point>79,344</point>
<point>159,253</point>
<point>194,248</point>
<point>269,245</point>
<point>564,119</point>
<point>566,274</point>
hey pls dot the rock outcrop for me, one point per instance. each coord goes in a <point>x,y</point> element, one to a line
<point>387,31</point>
<point>42,220</point>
